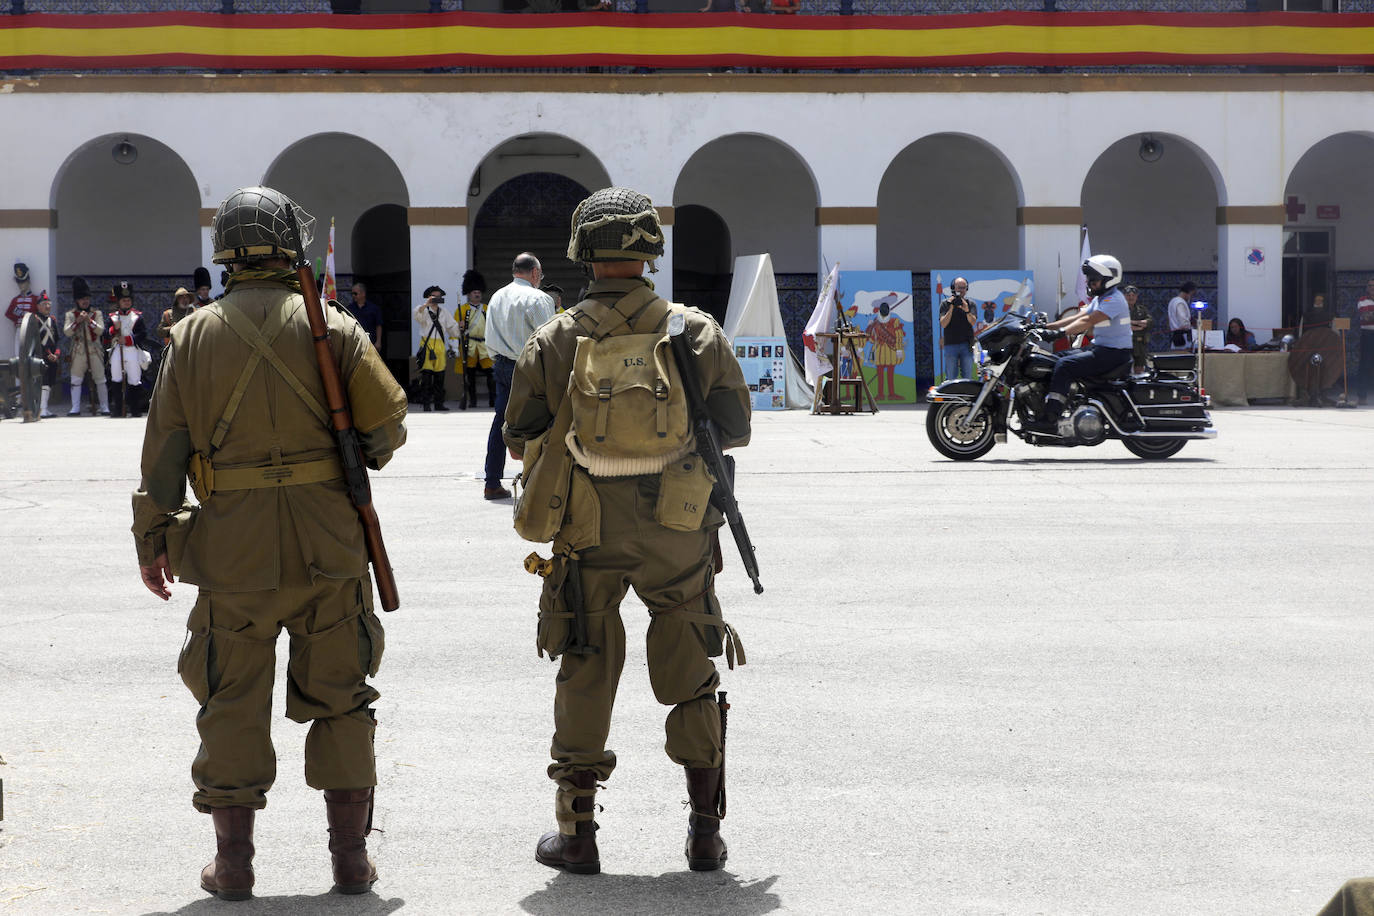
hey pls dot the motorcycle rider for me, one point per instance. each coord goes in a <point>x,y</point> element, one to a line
<point>1108,316</point>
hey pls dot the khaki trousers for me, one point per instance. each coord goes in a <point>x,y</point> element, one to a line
<point>669,570</point>
<point>229,662</point>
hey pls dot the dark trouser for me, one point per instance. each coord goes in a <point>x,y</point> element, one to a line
<point>1096,360</point>
<point>502,370</point>
<point>431,387</point>
<point>1366,373</point>
<point>470,382</point>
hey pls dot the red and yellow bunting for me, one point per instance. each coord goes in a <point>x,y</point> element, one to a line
<point>403,42</point>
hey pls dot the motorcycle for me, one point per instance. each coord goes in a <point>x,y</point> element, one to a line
<point>1153,417</point>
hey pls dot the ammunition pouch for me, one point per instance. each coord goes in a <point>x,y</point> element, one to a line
<point>200,473</point>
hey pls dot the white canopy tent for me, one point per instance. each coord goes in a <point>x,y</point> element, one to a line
<point>753,312</point>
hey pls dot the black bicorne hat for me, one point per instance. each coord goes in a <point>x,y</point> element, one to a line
<point>21,272</point>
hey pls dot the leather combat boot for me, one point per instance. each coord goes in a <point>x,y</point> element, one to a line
<point>350,820</point>
<point>230,875</point>
<point>705,848</point>
<point>576,852</point>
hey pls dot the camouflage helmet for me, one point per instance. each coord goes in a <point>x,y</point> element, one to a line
<point>615,224</point>
<point>251,225</point>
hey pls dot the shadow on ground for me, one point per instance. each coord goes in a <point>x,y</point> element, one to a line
<point>368,904</point>
<point>721,894</point>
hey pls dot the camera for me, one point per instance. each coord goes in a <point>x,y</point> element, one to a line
<point>438,300</point>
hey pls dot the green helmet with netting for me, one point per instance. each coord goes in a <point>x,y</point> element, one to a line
<point>251,225</point>
<point>615,224</point>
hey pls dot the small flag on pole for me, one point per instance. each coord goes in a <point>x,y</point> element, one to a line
<point>331,290</point>
<point>1080,286</point>
<point>822,321</point>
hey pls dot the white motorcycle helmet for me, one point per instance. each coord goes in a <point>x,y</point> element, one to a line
<point>1105,268</point>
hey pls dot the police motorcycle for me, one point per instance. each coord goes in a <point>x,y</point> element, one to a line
<point>1153,417</point>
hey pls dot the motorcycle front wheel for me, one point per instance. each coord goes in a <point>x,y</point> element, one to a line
<point>942,426</point>
<point>1153,449</point>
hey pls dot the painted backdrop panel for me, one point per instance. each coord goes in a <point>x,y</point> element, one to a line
<point>995,292</point>
<point>878,302</point>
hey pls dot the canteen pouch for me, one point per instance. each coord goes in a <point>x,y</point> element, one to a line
<point>684,492</point>
<point>542,503</point>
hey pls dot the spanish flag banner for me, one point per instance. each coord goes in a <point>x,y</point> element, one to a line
<point>42,41</point>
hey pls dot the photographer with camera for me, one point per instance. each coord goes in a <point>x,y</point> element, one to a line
<point>435,351</point>
<point>83,326</point>
<point>957,320</point>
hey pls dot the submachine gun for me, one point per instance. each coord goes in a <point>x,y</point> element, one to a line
<point>708,445</point>
<point>350,448</point>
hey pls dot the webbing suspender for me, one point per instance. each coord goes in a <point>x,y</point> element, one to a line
<point>261,342</point>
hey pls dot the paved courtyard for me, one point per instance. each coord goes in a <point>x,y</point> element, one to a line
<point>1046,682</point>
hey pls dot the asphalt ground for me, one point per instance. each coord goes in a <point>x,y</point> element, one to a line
<point>1045,682</point>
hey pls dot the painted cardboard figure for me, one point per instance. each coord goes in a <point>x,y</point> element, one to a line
<point>886,338</point>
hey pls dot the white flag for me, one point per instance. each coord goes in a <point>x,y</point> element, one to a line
<point>822,321</point>
<point>1080,286</point>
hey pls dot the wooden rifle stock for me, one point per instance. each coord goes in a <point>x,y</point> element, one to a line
<point>350,448</point>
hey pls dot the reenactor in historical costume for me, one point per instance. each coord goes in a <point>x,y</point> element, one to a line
<point>127,334</point>
<point>183,304</point>
<point>437,328</point>
<point>472,319</point>
<point>23,303</point>
<point>598,414</point>
<point>83,327</point>
<point>201,281</point>
<point>275,542</point>
<point>40,352</point>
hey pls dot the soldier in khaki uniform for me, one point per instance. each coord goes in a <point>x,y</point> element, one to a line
<point>616,532</point>
<point>273,544</point>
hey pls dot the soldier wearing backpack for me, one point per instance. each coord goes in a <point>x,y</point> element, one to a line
<point>598,417</point>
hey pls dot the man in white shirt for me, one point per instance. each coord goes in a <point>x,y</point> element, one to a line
<point>515,311</point>
<point>1364,314</point>
<point>1181,316</point>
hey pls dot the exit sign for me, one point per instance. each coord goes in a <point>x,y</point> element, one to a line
<point>1328,211</point>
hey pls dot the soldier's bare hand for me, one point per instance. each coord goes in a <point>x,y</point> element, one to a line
<point>158,576</point>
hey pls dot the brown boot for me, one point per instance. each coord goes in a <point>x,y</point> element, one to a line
<point>576,852</point>
<point>230,875</point>
<point>350,820</point>
<point>705,848</point>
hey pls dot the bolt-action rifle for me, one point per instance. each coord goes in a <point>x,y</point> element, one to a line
<point>708,445</point>
<point>350,448</point>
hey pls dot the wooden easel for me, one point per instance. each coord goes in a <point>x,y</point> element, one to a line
<point>843,337</point>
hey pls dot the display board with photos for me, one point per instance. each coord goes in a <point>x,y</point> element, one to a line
<point>764,361</point>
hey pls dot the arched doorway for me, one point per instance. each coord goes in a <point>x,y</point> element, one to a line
<point>702,260</point>
<point>530,212</point>
<point>946,201</point>
<point>356,184</point>
<point>1330,201</point>
<point>765,199</point>
<point>135,218</point>
<point>1155,209</point>
<point>521,198</point>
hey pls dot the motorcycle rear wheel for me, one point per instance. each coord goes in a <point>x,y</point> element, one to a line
<point>952,442</point>
<point>1153,449</point>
